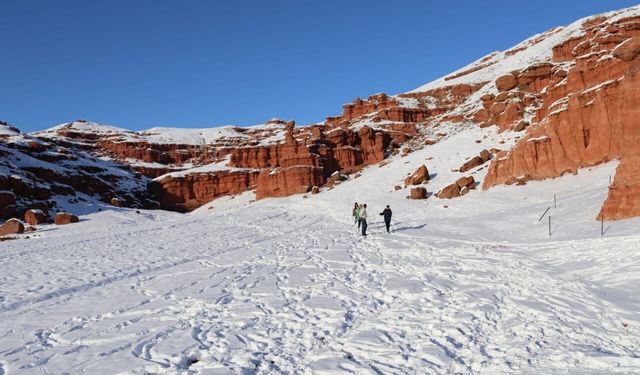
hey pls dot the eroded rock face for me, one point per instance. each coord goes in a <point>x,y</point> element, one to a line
<point>190,191</point>
<point>506,82</point>
<point>287,181</point>
<point>588,115</point>
<point>386,108</point>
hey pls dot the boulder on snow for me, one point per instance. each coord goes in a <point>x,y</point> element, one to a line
<point>419,176</point>
<point>449,191</point>
<point>397,187</point>
<point>35,217</point>
<point>315,190</point>
<point>468,182</point>
<point>471,163</point>
<point>116,202</point>
<point>63,218</point>
<point>11,226</point>
<point>418,193</point>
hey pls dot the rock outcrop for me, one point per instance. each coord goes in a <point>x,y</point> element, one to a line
<point>187,192</point>
<point>459,188</point>
<point>11,226</point>
<point>449,191</point>
<point>588,115</point>
<point>287,181</point>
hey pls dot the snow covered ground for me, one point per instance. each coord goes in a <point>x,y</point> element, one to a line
<point>288,285</point>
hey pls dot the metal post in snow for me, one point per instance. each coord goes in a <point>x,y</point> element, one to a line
<point>602,225</point>
<point>545,212</point>
<point>554,202</point>
<point>549,225</point>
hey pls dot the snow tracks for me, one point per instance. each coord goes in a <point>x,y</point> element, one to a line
<point>285,291</point>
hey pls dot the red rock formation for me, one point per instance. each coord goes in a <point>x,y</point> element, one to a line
<point>449,191</point>
<point>588,116</point>
<point>506,82</point>
<point>387,108</point>
<point>468,182</point>
<point>287,181</point>
<point>190,191</point>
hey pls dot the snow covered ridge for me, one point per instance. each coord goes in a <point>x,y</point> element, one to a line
<point>534,50</point>
<point>157,135</point>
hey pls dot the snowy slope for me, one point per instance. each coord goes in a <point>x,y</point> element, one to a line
<point>288,286</point>
<point>536,49</point>
<point>158,135</point>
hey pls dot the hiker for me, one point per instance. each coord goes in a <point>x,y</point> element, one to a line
<point>363,219</point>
<point>387,217</point>
<point>356,212</point>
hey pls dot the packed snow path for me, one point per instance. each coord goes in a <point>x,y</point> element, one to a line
<point>293,290</point>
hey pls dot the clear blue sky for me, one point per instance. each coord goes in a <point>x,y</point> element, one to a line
<point>197,63</point>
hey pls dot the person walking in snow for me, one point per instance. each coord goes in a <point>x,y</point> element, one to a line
<point>387,217</point>
<point>363,219</point>
<point>355,212</point>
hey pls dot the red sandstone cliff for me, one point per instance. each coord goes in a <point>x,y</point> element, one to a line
<point>587,115</point>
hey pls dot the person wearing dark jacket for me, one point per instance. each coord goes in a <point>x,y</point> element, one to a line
<point>387,217</point>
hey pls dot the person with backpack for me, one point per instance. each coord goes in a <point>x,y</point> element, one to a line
<point>363,219</point>
<point>387,217</point>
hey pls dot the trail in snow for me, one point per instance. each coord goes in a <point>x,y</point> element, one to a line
<point>286,291</point>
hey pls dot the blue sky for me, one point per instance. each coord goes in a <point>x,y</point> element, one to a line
<point>201,63</point>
